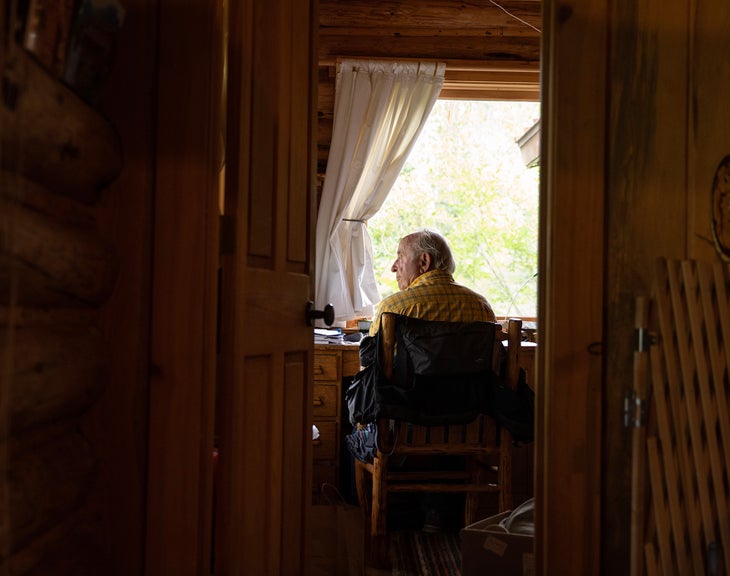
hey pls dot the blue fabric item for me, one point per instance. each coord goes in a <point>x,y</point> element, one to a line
<point>361,443</point>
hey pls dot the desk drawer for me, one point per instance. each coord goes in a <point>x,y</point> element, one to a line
<point>325,367</point>
<point>323,474</point>
<point>325,447</point>
<point>325,400</point>
<point>351,362</point>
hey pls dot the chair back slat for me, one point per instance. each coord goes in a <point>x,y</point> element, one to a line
<point>437,434</point>
<point>473,432</point>
<point>514,339</point>
<point>418,435</point>
<point>456,432</point>
<point>387,329</point>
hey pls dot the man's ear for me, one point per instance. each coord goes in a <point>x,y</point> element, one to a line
<point>425,263</point>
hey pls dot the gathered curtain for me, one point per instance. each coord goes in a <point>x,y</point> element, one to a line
<point>380,109</point>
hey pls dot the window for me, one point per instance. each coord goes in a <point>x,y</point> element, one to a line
<point>466,177</point>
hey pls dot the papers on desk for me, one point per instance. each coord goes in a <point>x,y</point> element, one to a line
<point>327,332</point>
<point>327,336</point>
<point>336,336</point>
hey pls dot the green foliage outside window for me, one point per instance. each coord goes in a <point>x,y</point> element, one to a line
<point>466,178</point>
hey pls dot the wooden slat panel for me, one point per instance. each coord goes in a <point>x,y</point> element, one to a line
<point>655,474</point>
<point>652,565</point>
<point>703,328</point>
<point>678,414</point>
<point>677,511</point>
<point>715,297</point>
<point>689,369</point>
<point>685,346</point>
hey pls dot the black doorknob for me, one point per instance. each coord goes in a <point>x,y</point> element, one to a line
<point>328,314</point>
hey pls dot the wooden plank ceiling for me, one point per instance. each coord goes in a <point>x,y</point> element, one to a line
<point>491,48</point>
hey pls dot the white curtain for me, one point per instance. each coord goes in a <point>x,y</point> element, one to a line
<point>380,109</point>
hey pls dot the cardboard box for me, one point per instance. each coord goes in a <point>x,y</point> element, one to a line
<point>487,549</point>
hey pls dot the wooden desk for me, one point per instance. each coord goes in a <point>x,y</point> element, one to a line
<point>332,363</point>
<point>527,361</point>
<point>523,457</point>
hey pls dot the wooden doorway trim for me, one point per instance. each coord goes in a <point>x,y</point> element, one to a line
<point>569,363</point>
<point>184,307</point>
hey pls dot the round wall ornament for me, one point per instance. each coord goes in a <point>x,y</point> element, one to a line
<point>721,208</point>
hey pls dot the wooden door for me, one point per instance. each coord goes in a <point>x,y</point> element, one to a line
<point>263,421</point>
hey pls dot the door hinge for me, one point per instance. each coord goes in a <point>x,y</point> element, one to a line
<point>635,410</point>
<point>643,339</point>
<point>227,235</point>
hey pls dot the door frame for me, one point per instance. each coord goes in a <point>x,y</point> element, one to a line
<point>570,294</point>
<point>571,288</point>
<point>183,361</point>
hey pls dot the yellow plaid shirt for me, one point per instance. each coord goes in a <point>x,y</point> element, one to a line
<point>435,296</point>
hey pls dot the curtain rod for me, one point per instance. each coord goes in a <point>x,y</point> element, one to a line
<point>451,65</point>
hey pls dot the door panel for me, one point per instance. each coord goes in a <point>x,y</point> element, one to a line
<point>264,402</point>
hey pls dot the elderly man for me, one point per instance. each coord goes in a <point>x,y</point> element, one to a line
<point>423,268</point>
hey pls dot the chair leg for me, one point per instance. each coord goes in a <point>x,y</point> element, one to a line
<point>379,553</point>
<point>505,471</point>
<point>363,493</point>
<point>471,506</point>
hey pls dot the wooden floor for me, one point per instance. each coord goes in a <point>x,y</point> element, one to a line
<point>415,553</point>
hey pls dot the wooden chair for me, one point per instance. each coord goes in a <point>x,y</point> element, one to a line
<point>482,443</point>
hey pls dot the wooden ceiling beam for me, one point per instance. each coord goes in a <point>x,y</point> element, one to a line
<point>455,48</point>
<point>435,14</point>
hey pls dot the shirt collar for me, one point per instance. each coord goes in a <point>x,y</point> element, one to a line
<point>431,277</point>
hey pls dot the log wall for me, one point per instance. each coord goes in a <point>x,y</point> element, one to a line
<point>56,272</point>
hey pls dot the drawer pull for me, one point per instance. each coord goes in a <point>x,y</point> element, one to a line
<point>318,401</point>
<point>318,370</point>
